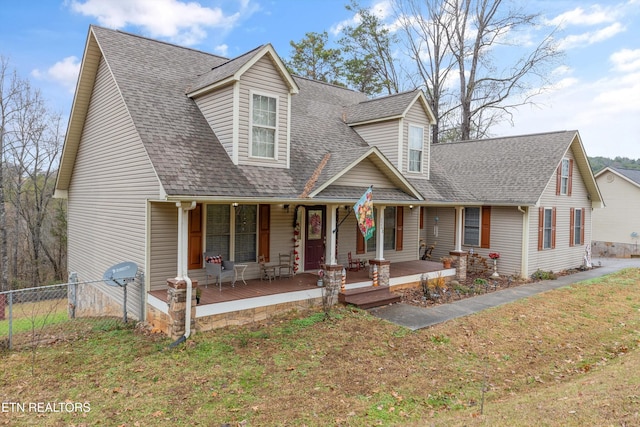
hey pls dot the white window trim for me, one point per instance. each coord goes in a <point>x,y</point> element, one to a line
<point>564,189</point>
<point>275,142</point>
<point>409,149</point>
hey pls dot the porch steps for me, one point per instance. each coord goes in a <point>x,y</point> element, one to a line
<point>368,297</point>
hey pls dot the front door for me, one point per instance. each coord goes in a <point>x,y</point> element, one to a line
<point>314,237</point>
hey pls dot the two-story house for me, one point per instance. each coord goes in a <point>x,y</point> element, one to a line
<point>172,153</point>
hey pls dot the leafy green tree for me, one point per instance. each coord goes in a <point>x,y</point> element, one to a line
<point>311,58</point>
<point>368,50</point>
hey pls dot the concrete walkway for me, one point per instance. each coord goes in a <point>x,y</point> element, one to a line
<point>414,318</point>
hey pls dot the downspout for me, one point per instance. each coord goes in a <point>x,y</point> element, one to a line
<point>183,225</point>
<point>524,262</point>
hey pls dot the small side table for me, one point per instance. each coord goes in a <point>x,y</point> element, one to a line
<point>239,268</point>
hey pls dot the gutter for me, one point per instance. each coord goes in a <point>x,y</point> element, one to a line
<point>182,265</point>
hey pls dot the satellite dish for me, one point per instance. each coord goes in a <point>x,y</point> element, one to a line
<point>119,275</point>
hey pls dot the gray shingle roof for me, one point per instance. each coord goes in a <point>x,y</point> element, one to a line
<point>509,170</point>
<point>190,161</point>
<point>380,108</point>
<point>222,71</point>
<point>632,174</point>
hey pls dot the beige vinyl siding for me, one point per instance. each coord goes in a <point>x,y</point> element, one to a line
<point>445,240</point>
<point>563,256</point>
<point>383,135</point>
<point>347,239</point>
<point>506,238</point>
<point>265,79</point>
<point>217,107</point>
<point>111,180</point>
<point>365,172</point>
<point>416,116</point>
<point>163,245</point>
<point>619,218</point>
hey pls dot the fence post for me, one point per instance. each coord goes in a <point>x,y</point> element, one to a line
<point>10,320</point>
<point>72,294</point>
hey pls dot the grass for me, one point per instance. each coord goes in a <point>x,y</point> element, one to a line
<point>34,315</point>
<point>567,357</point>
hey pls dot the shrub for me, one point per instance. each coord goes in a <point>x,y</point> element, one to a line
<point>543,275</point>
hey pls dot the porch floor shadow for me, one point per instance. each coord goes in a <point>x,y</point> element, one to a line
<point>258,288</point>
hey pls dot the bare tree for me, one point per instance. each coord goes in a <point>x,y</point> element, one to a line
<point>10,88</point>
<point>449,37</point>
<point>486,93</point>
<point>424,23</point>
<point>34,146</point>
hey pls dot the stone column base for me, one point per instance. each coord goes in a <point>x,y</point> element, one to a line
<point>177,300</point>
<point>461,269</point>
<point>383,271</point>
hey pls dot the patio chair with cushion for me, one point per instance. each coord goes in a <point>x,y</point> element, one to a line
<point>218,269</point>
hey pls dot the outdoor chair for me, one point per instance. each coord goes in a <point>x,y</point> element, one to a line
<point>355,264</point>
<point>285,269</point>
<point>266,271</point>
<point>219,272</point>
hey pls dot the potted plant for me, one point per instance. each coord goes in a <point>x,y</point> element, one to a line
<point>446,261</point>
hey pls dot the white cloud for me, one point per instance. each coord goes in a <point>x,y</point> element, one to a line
<point>626,60</point>
<point>63,72</point>
<point>591,37</point>
<point>594,16</point>
<point>180,22</point>
<point>222,49</point>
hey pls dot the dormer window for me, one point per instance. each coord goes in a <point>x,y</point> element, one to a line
<point>416,144</point>
<point>264,117</point>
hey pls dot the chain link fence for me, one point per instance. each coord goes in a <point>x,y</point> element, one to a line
<point>67,311</point>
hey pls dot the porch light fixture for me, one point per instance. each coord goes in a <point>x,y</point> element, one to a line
<point>410,206</point>
<point>235,204</point>
<point>286,208</point>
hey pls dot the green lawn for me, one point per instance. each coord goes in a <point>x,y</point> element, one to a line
<point>566,357</point>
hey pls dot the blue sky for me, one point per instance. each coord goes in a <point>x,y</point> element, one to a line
<point>597,88</point>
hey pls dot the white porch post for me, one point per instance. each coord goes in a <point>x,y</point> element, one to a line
<point>459,213</point>
<point>332,225</point>
<point>380,233</point>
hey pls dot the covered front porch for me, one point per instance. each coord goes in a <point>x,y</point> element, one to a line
<point>260,299</point>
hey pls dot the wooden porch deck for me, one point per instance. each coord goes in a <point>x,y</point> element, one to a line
<point>259,288</point>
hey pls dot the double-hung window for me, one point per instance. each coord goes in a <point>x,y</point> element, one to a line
<point>471,227</point>
<point>576,224</point>
<point>416,147</point>
<point>389,230</point>
<point>232,229</point>
<point>264,117</point>
<point>564,177</point>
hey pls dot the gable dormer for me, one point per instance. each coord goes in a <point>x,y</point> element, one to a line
<point>247,103</point>
<point>400,127</point>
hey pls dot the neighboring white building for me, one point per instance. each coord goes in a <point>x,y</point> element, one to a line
<point>616,228</point>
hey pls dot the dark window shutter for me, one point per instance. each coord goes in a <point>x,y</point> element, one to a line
<point>582,226</point>
<point>264,231</point>
<point>399,227</point>
<point>422,217</point>
<point>570,184</point>
<point>572,218</point>
<point>195,237</point>
<point>553,228</point>
<point>540,228</point>
<point>558,179</point>
<point>359,241</point>
<point>485,231</point>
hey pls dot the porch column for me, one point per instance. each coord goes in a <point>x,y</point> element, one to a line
<point>459,213</point>
<point>332,236</point>
<point>380,233</point>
